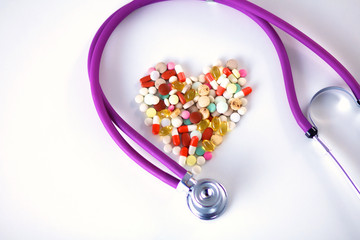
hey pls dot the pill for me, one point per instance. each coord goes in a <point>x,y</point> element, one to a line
<point>208,146</point>
<point>139,98</point>
<point>145,79</point>
<point>204,112</point>
<point>193,144</point>
<point>148,99</point>
<point>179,105</point>
<point>223,118</point>
<point>242,81</point>
<point>231,88</point>
<point>183,155</point>
<point>175,112</point>
<point>244,102</point>
<point>199,151</point>
<point>219,99</point>
<point>150,70</point>
<point>227,95</point>
<point>188,128</point>
<point>155,100</point>
<point>182,161</point>
<point>228,112</point>
<point>185,139</point>
<point>203,90</point>
<point>180,73</point>
<point>202,78</point>
<point>190,94</point>
<point>188,104</point>
<point>152,90</point>
<point>196,169</point>
<point>148,121</point>
<point>176,150</point>
<point>165,113</point>
<point>186,88</point>
<point>200,160</point>
<point>243,73</point>
<point>208,156</point>
<point>204,101</point>
<point>181,97</point>
<point>143,91</point>
<point>196,85</point>
<point>175,137</point>
<point>173,99</point>
<point>227,71</point>
<point>195,117</point>
<point>187,122</point>
<point>161,67</point>
<point>223,128</point>
<point>221,107</point>
<point>196,133</point>
<point>167,102</point>
<point>154,75</point>
<point>221,79</point>
<point>167,74</point>
<point>244,92</point>
<point>190,160</point>
<point>208,132</point>
<point>150,112</point>
<point>232,64</point>
<point>173,79</point>
<point>164,89</point>
<point>171,66</point>
<point>203,124</point>
<point>231,125</point>
<point>222,87</point>
<point>215,114</point>
<point>215,123</point>
<point>148,84</point>
<point>165,130</point>
<point>232,78</point>
<point>242,111</point>
<point>215,72</point>
<point>236,73</point>
<point>238,87</point>
<point>211,107</point>
<point>159,82</point>
<point>168,148</point>
<point>156,125</point>
<point>235,117</point>
<point>216,139</point>
<point>188,81</point>
<point>171,107</point>
<point>210,79</point>
<point>235,103</point>
<point>165,122</point>
<point>166,140</point>
<point>173,92</point>
<point>143,107</point>
<point>176,122</point>
<point>185,114</point>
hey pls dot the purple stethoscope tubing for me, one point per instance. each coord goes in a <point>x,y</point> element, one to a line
<point>109,117</point>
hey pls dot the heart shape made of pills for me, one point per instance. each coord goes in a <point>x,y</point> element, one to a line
<point>193,114</point>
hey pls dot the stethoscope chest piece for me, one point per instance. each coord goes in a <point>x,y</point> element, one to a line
<point>207,199</point>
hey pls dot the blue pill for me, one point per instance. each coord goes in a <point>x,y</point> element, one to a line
<point>199,151</point>
<point>211,107</point>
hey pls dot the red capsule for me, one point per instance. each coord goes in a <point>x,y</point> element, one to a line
<point>175,137</point>
<point>227,72</point>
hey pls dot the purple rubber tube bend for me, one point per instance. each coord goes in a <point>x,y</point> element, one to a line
<point>110,118</point>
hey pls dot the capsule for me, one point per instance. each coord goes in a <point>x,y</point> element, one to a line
<point>227,71</point>
<point>187,128</point>
<point>209,77</point>
<point>180,73</point>
<point>215,123</point>
<point>165,113</point>
<point>193,144</point>
<point>222,87</point>
<point>181,97</point>
<point>165,131</point>
<point>223,128</point>
<point>243,92</point>
<point>175,137</point>
<point>190,95</point>
<point>177,85</point>
<point>215,71</point>
<point>183,156</point>
<point>203,124</point>
<point>208,146</point>
<point>156,125</point>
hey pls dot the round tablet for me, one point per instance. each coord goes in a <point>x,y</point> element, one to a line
<point>161,67</point>
<point>222,107</point>
<point>176,150</point>
<point>219,99</point>
<point>232,64</point>
<point>164,89</point>
<point>199,151</point>
<point>242,111</point>
<point>159,82</point>
<point>165,122</point>
<point>155,100</point>
<point>204,101</point>
<point>176,122</point>
<point>148,122</point>
<point>185,114</point>
<point>143,107</point>
<point>200,160</point>
<point>143,91</point>
<point>235,117</point>
<point>166,139</point>
<point>191,160</point>
<point>195,117</point>
<point>231,88</point>
<point>168,148</point>
<point>139,98</point>
<point>216,139</point>
<point>196,169</point>
<point>211,107</point>
<point>150,112</point>
<point>154,75</point>
<point>148,99</point>
<point>203,90</point>
<point>173,99</point>
<point>204,112</point>
<point>208,156</point>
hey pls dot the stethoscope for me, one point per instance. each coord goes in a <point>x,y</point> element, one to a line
<point>206,198</point>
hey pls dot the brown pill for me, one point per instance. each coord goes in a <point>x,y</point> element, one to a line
<point>195,117</point>
<point>161,67</point>
<point>164,89</point>
<point>235,103</point>
<point>207,133</point>
<point>160,106</point>
<point>185,139</point>
<point>205,113</point>
<point>232,64</point>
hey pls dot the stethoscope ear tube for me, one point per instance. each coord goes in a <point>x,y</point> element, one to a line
<point>263,18</point>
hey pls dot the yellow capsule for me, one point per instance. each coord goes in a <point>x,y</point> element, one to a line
<point>215,71</point>
<point>165,131</point>
<point>208,146</point>
<point>190,95</point>
<point>178,85</point>
<point>165,113</point>
<point>215,123</point>
<point>203,124</point>
<point>223,128</point>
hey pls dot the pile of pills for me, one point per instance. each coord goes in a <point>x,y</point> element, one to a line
<point>193,114</point>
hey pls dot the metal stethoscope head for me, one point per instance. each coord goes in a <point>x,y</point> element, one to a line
<point>206,198</point>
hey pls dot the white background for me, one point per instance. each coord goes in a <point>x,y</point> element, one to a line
<point>62,176</point>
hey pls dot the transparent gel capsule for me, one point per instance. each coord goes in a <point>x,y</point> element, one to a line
<point>208,146</point>
<point>223,128</point>
<point>215,71</point>
<point>190,95</point>
<point>165,131</point>
<point>178,85</point>
<point>165,113</point>
<point>215,123</point>
<point>203,124</point>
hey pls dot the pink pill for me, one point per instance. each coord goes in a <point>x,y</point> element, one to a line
<point>243,72</point>
<point>171,66</point>
<point>151,70</point>
<point>185,114</point>
<point>207,156</point>
<point>171,108</point>
<point>208,84</point>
